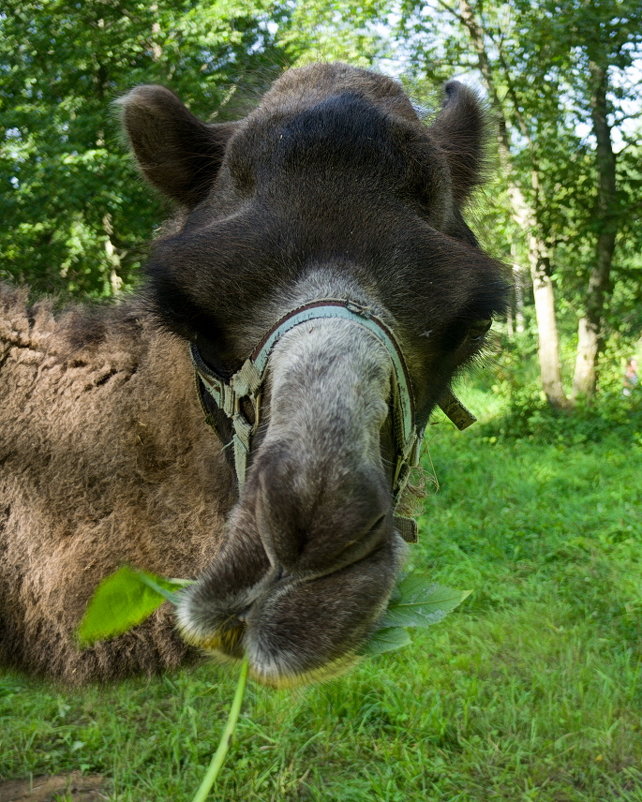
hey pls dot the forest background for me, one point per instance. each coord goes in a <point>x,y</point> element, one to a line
<point>534,692</point>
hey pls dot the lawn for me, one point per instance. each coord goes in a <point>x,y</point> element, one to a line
<point>529,691</point>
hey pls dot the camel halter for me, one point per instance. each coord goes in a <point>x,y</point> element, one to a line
<point>232,396</point>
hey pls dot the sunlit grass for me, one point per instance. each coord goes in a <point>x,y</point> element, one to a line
<point>530,691</point>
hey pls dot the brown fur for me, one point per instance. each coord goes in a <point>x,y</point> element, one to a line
<point>104,461</point>
<point>331,188</point>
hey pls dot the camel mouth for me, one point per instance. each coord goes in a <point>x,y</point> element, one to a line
<point>294,631</point>
<point>228,646</point>
<point>226,642</point>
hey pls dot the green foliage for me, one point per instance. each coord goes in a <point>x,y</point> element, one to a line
<point>124,599</point>
<point>331,30</point>
<point>75,214</point>
<point>609,418</point>
<point>512,377</point>
<point>416,602</point>
<point>546,67</point>
<point>387,639</point>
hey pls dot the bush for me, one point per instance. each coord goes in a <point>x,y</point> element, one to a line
<point>531,417</point>
<point>527,414</point>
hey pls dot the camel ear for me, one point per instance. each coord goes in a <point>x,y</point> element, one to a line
<point>179,154</point>
<point>460,131</point>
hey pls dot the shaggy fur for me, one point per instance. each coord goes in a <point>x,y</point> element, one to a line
<point>331,188</point>
<point>104,460</point>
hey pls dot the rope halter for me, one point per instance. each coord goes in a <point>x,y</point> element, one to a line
<point>232,396</point>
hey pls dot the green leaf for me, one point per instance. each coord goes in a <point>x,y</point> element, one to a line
<point>415,602</point>
<point>420,603</point>
<point>386,640</point>
<point>123,600</point>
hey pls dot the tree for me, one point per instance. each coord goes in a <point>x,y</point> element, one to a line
<point>489,52</point>
<point>73,209</point>
<point>547,67</point>
<point>603,37</point>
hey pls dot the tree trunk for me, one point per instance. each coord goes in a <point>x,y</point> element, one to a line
<point>113,257</point>
<point>548,340</point>
<point>520,323</point>
<point>548,350</point>
<point>590,335</point>
<point>526,219</point>
<point>157,50</point>
<point>518,289</point>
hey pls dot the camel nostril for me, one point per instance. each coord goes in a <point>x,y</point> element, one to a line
<point>365,541</point>
<point>378,530</point>
<point>341,519</point>
<point>378,524</point>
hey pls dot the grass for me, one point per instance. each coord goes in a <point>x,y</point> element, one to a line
<point>529,691</point>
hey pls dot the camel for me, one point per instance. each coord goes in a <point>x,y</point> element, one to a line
<point>249,417</point>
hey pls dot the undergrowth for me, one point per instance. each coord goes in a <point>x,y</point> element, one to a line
<point>507,392</point>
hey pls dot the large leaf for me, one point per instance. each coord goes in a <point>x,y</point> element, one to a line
<point>122,600</point>
<point>386,640</point>
<point>415,602</point>
<point>420,603</point>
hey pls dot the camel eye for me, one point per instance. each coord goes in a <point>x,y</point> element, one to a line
<point>479,329</point>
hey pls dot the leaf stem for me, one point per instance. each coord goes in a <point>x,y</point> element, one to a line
<point>226,737</point>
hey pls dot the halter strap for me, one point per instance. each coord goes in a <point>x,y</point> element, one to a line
<point>244,387</point>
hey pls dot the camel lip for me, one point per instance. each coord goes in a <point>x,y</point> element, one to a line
<point>226,638</point>
<point>227,641</point>
<point>240,628</point>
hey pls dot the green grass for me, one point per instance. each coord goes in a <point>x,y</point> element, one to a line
<point>529,691</point>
